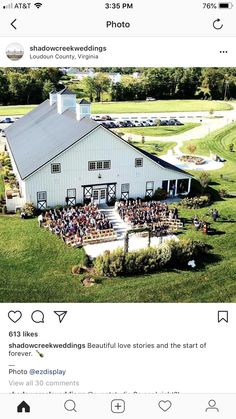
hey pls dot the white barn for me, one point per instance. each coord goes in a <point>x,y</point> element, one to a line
<point>61,156</point>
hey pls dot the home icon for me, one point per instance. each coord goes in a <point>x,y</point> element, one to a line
<point>23,407</point>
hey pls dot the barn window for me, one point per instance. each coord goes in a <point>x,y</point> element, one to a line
<point>106,164</point>
<point>138,162</point>
<point>56,168</point>
<point>42,196</point>
<point>92,165</point>
<point>99,165</point>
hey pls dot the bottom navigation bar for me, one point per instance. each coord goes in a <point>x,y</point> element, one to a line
<point>106,406</point>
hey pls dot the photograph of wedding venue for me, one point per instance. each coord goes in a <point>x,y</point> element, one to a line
<point>117,184</point>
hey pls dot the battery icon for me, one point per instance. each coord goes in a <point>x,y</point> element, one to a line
<point>225,5</point>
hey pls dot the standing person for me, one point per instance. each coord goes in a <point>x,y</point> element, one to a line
<point>215,215</point>
<point>176,213</point>
<point>205,228</point>
<point>40,220</point>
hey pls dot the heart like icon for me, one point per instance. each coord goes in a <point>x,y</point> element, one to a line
<point>165,405</point>
<point>15,316</point>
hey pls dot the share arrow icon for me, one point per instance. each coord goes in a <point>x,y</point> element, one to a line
<point>61,315</point>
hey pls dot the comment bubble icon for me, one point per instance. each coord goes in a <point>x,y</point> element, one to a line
<point>37,316</point>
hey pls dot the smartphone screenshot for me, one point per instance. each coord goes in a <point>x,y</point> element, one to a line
<point>117,209</point>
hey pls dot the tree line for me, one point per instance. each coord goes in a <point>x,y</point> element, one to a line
<point>32,85</point>
<point>164,83</point>
<point>23,86</point>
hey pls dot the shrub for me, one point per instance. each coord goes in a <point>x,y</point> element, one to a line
<point>185,250</point>
<point>110,264</point>
<point>223,193</point>
<point>159,195</point>
<point>204,179</point>
<point>191,148</point>
<point>196,202</point>
<point>112,202</point>
<point>143,261</point>
<point>173,254</point>
<point>29,209</point>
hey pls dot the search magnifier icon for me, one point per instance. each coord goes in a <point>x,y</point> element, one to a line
<point>70,406</point>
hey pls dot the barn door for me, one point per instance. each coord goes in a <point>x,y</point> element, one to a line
<point>42,200</point>
<point>71,197</point>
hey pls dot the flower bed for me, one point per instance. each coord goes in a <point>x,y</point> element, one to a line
<point>192,159</point>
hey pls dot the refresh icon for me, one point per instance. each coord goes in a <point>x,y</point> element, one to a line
<point>217,24</point>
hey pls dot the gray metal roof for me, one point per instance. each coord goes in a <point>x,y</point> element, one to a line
<point>84,102</point>
<point>65,91</point>
<point>43,134</point>
<point>161,162</point>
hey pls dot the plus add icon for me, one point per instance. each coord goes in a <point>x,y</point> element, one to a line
<point>118,406</point>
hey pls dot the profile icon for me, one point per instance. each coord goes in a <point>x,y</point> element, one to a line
<point>212,406</point>
<point>14,51</point>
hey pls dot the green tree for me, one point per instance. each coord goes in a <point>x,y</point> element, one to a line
<point>4,90</point>
<point>48,86</point>
<point>204,180</point>
<point>88,87</point>
<point>102,84</point>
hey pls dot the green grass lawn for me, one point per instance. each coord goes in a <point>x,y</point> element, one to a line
<point>218,142</point>
<point>160,106</point>
<point>15,110</point>
<point>155,147</point>
<point>136,107</point>
<point>158,131</point>
<point>35,266</point>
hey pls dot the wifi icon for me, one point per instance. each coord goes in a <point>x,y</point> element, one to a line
<point>38,5</point>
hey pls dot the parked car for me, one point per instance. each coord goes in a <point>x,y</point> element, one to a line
<point>164,122</point>
<point>97,118</point>
<point>129,123</point>
<point>137,123</point>
<point>150,99</point>
<point>117,124</point>
<point>145,123</point>
<point>106,124</point>
<point>174,122</point>
<point>112,124</point>
<point>7,121</point>
<point>105,118</point>
<point>152,122</point>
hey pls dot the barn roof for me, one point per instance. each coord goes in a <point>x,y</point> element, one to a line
<point>161,162</point>
<point>43,134</point>
<point>84,102</point>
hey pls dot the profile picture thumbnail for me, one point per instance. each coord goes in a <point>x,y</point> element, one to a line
<point>15,51</point>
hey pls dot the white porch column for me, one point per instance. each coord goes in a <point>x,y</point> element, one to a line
<point>189,185</point>
<point>176,184</point>
<point>168,186</point>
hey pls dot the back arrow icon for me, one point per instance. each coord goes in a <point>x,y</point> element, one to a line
<point>12,24</point>
<point>217,25</point>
